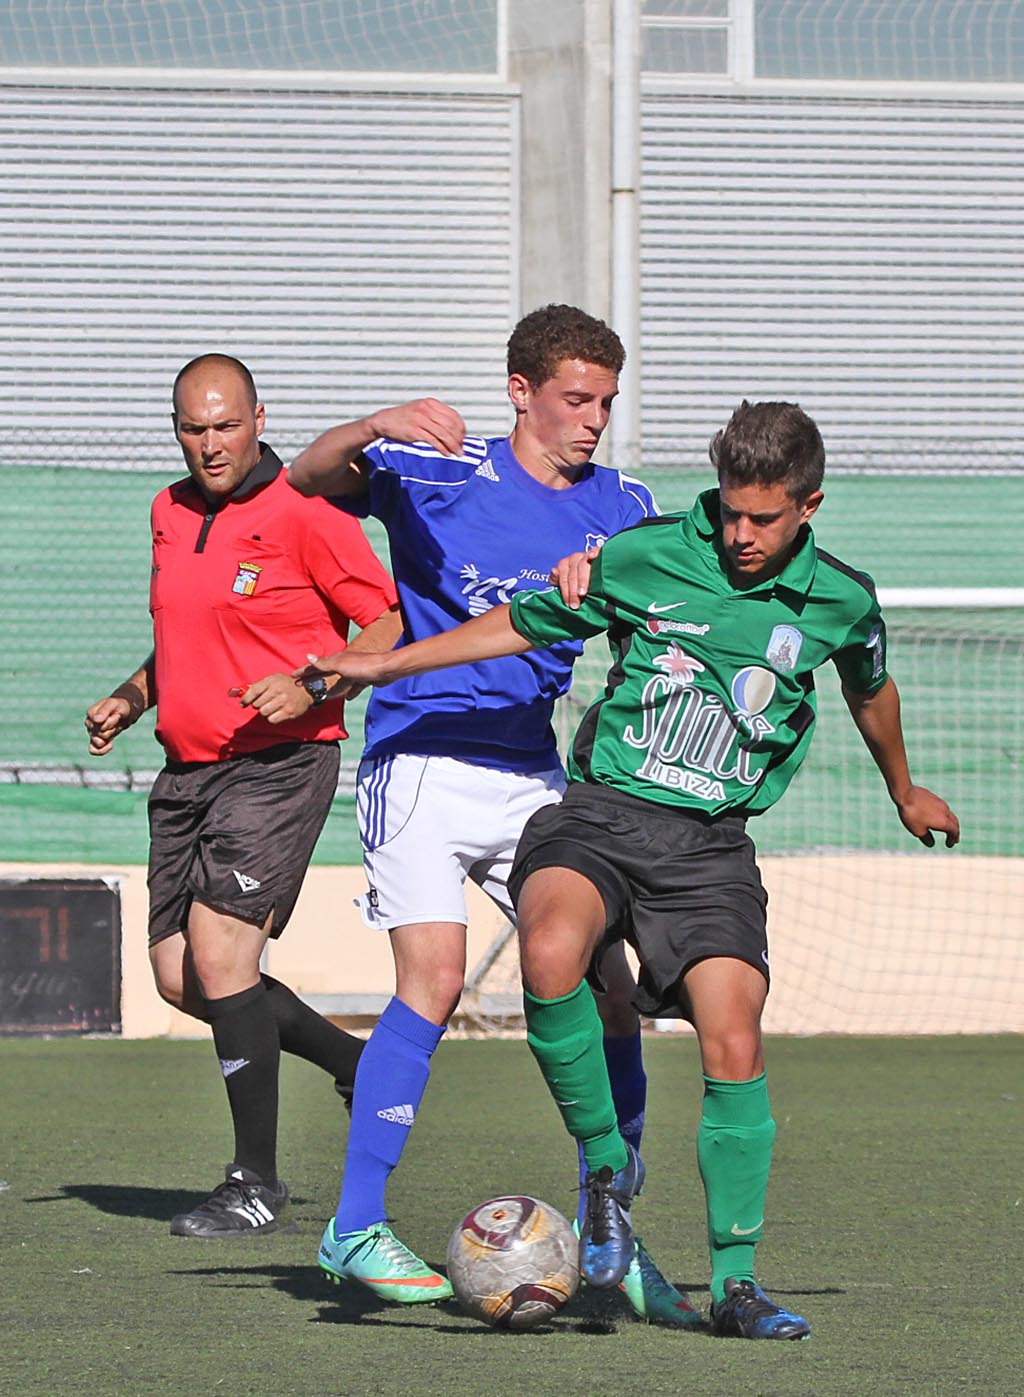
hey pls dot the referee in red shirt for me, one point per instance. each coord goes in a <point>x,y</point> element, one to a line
<point>248,579</point>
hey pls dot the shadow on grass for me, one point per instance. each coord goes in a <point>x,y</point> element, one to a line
<point>590,1311</point>
<point>131,1201</point>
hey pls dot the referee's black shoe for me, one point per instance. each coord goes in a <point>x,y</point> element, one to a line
<point>747,1313</point>
<point>242,1206</point>
<point>606,1232</point>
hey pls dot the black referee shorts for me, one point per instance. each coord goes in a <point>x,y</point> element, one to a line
<point>237,835</point>
<point>679,886</point>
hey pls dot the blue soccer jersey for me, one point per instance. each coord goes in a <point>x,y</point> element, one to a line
<point>466,534</point>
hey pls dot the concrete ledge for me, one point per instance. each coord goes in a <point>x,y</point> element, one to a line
<point>860,944</point>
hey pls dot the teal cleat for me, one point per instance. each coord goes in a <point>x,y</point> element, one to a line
<point>654,1298</point>
<point>377,1259</point>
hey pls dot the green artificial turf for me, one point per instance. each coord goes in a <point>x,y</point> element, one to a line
<point>895,1224</point>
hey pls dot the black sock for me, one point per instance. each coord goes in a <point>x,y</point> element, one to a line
<point>307,1034</point>
<point>245,1035</point>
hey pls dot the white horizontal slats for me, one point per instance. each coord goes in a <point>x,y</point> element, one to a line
<point>355,249</point>
<point>863,258</point>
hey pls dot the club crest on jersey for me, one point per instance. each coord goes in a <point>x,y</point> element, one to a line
<point>595,541</point>
<point>783,648</point>
<point>246,579</point>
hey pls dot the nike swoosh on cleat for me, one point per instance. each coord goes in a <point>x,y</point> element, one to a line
<point>738,1231</point>
<point>424,1282</point>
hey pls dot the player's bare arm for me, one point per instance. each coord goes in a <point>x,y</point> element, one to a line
<point>484,637</point>
<point>877,717</point>
<point>282,697</point>
<point>572,576</point>
<point>330,465</point>
<point>111,716</point>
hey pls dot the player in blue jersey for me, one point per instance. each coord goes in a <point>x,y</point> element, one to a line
<point>456,762</point>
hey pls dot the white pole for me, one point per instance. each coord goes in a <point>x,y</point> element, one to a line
<point>624,427</point>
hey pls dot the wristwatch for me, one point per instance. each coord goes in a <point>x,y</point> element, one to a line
<point>316,688</point>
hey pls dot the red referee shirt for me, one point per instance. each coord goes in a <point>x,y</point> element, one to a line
<point>246,590</point>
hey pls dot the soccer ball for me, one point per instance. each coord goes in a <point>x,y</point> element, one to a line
<point>513,1262</point>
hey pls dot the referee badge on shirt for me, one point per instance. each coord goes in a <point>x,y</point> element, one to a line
<point>246,578</point>
<point>783,648</point>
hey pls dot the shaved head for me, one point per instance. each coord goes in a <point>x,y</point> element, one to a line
<point>216,366</point>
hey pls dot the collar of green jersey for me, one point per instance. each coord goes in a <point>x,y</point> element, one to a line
<point>703,528</point>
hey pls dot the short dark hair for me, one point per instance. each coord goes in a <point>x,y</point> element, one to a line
<point>546,337</point>
<point>217,361</point>
<point>769,444</point>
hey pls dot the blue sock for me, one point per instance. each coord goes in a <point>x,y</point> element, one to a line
<point>624,1057</point>
<point>390,1081</point>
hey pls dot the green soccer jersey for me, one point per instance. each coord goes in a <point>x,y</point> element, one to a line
<point>710,702</point>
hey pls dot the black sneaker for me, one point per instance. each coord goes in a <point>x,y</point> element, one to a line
<point>241,1206</point>
<point>747,1313</point>
<point>606,1233</point>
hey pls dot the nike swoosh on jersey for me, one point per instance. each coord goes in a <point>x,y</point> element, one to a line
<point>656,610</point>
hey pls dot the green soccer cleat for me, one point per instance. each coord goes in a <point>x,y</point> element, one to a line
<point>377,1259</point>
<point>654,1298</point>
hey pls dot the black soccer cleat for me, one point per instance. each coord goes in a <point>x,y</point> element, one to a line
<point>242,1206</point>
<point>606,1233</point>
<point>747,1313</point>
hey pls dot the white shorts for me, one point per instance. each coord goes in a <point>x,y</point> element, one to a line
<point>429,823</point>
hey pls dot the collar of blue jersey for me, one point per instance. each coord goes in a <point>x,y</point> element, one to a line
<point>705,521</point>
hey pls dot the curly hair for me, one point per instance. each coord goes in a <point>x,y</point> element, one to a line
<point>546,337</point>
<point>769,443</point>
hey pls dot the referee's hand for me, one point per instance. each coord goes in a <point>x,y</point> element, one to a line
<point>278,698</point>
<point>105,720</point>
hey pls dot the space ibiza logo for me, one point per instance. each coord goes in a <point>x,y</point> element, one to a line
<point>692,740</point>
<point>483,593</point>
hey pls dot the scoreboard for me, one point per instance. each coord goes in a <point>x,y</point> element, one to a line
<point>60,956</point>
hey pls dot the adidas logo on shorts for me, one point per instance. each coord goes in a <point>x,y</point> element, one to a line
<point>401,1115</point>
<point>247,884</point>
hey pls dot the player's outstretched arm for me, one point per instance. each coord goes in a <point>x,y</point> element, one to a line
<point>330,465</point>
<point>108,718</point>
<point>877,717</point>
<point>281,697</point>
<point>482,638</point>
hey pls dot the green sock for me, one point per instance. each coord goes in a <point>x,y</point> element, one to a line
<point>734,1151</point>
<point>566,1038</point>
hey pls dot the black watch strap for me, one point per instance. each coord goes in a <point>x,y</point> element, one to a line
<point>316,688</point>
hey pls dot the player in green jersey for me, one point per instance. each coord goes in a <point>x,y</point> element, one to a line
<point>717,619</point>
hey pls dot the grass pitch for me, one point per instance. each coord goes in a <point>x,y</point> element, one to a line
<point>895,1224</point>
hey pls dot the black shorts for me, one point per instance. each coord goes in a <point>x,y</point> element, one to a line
<point>679,886</point>
<point>237,835</point>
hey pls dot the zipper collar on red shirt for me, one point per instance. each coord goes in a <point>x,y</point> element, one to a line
<point>263,472</point>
